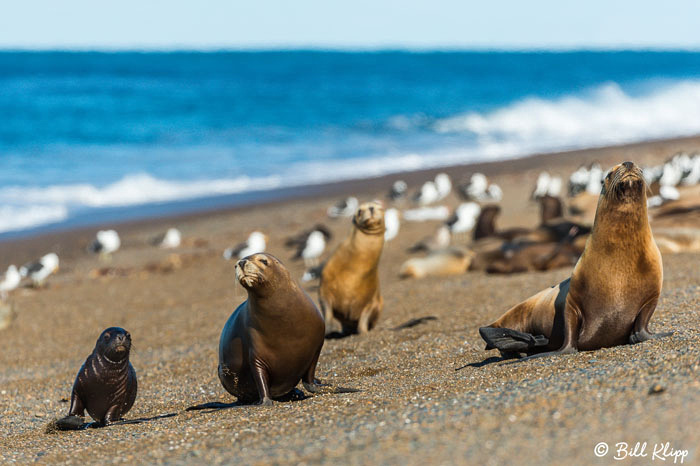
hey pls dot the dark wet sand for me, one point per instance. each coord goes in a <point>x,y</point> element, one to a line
<point>415,406</point>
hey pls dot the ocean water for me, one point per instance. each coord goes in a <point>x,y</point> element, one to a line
<point>83,133</point>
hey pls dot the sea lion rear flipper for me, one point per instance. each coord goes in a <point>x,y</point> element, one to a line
<point>70,423</point>
<point>508,340</point>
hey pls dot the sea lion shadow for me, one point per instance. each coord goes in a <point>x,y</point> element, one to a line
<point>485,362</point>
<point>336,335</point>
<point>214,406</point>
<point>55,426</point>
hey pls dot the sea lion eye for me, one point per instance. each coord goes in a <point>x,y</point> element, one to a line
<point>264,261</point>
<point>128,335</point>
<point>107,336</point>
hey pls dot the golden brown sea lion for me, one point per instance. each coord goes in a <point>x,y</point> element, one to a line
<point>349,289</point>
<point>449,261</point>
<point>612,292</point>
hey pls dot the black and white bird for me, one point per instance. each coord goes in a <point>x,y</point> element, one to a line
<point>464,219</point>
<point>171,239</point>
<point>595,179</point>
<point>666,194</point>
<point>439,240</point>
<point>443,184</point>
<point>40,270</point>
<point>546,185</point>
<point>479,189</point>
<point>256,243</point>
<point>427,194</point>
<point>392,223</point>
<point>105,243</point>
<point>586,179</point>
<point>310,244</point>
<point>398,190</point>
<point>344,208</point>
<point>312,273</point>
<point>10,281</point>
<point>424,214</point>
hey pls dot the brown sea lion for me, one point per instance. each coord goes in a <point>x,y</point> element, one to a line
<point>106,383</point>
<point>612,293</point>
<point>273,339</point>
<point>551,208</point>
<point>349,289</point>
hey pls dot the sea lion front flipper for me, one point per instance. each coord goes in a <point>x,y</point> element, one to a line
<point>641,332</point>
<point>644,335</point>
<point>509,341</point>
<point>262,383</point>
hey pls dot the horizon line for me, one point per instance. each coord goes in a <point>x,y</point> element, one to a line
<point>345,48</point>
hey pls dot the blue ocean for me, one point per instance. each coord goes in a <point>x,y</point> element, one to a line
<point>87,132</point>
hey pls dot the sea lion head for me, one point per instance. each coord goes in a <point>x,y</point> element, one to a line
<point>259,270</point>
<point>369,218</point>
<point>624,184</point>
<point>114,344</point>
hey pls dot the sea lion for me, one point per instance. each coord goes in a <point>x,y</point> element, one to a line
<point>449,261</point>
<point>551,208</point>
<point>486,225</point>
<point>273,339</point>
<point>613,290</point>
<point>524,257</point>
<point>349,289</point>
<point>106,383</point>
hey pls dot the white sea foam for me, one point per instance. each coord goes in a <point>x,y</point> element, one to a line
<point>27,207</point>
<point>606,115</point>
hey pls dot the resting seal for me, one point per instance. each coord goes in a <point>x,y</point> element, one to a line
<point>612,293</point>
<point>349,288</point>
<point>106,383</point>
<point>273,339</point>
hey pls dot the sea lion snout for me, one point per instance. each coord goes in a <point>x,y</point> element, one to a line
<point>625,181</point>
<point>250,271</point>
<point>369,217</point>
<point>114,343</point>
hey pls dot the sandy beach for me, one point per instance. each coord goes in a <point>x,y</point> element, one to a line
<point>429,394</point>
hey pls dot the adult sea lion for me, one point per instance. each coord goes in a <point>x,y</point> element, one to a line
<point>106,383</point>
<point>349,289</point>
<point>612,293</point>
<point>449,261</point>
<point>273,339</point>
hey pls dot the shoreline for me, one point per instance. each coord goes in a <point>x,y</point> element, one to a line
<point>162,213</point>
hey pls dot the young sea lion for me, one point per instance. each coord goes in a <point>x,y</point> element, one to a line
<point>612,292</point>
<point>273,339</point>
<point>106,383</point>
<point>349,288</point>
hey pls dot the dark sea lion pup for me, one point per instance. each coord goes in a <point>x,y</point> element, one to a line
<point>612,292</point>
<point>106,383</point>
<point>272,340</point>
